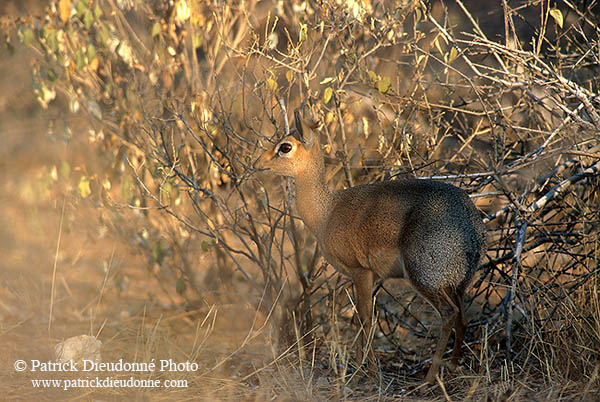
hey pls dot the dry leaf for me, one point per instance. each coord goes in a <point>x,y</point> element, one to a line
<point>64,10</point>
<point>272,84</point>
<point>84,187</point>
<point>557,15</point>
<point>327,94</point>
<point>453,54</point>
<point>94,64</point>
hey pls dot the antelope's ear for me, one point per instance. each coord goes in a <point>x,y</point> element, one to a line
<point>298,133</point>
<point>303,132</point>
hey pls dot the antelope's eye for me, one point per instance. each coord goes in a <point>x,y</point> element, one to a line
<point>285,148</point>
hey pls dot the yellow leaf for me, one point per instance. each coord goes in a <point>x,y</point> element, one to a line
<point>380,142</point>
<point>94,64</point>
<point>45,95</point>
<point>126,53</point>
<point>384,85</point>
<point>390,34</point>
<point>327,94</point>
<point>28,37</point>
<point>289,75</point>
<point>453,54</point>
<point>272,84</point>
<point>303,32</point>
<point>206,115</point>
<point>373,77</point>
<point>155,29</point>
<point>182,12</point>
<point>365,122</point>
<point>557,15</point>
<point>329,118</point>
<point>64,170</point>
<point>326,80</point>
<point>106,184</point>
<point>64,10</point>
<point>436,43</point>
<point>84,187</point>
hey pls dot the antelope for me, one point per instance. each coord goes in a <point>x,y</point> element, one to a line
<point>427,232</point>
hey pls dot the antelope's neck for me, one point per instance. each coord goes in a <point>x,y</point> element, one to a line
<point>314,198</point>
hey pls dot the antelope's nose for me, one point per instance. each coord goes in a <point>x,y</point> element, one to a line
<point>262,162</point>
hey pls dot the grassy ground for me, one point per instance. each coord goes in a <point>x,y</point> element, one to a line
<point>59,262</point>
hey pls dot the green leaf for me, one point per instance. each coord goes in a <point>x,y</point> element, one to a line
<point>28,37</point>
<point>88,19</point>
<point>384,85</point>
<point>373,77</point>
<point>327,94</point>
<point>303,33</point>
<point>204,246</point>
<point>91,52</point>
<point>98,12</point>
<point>51,75</point>
<point>418,15</point>
<point>155,29</point>
<point>80,61</point>
<point>82,7</point>
<point>51,39</point>
<point>197,40</point>
<point>165,192</point>
<point>181,285</point>
<point>104,35</point>
<point>127,189</point>
<point>64,170</point>
<point>84,187</point>
<point>158,253</point>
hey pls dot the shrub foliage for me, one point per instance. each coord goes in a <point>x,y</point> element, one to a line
<point>181,96</point>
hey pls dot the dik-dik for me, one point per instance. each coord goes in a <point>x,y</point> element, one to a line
<point>425,231</point>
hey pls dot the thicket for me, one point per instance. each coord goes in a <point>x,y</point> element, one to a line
<point>180,98</point>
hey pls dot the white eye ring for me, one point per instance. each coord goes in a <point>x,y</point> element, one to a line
<point>285,148</point>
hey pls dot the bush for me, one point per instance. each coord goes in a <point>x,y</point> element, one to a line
<point>180,96</point>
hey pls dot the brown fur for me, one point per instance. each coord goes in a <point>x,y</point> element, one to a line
<point>426,231</point>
